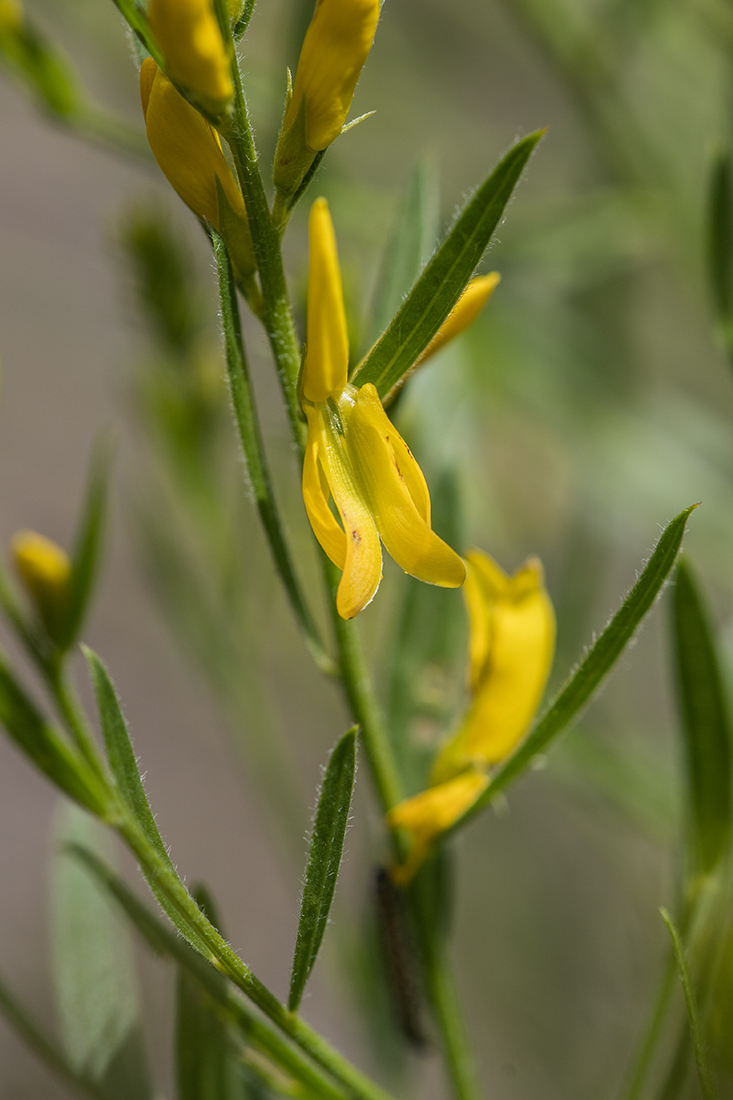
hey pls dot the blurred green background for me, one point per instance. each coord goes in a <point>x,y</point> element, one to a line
<point>590,403</point>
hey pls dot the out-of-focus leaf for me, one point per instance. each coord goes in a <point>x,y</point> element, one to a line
<point>595,666</point>
<point>121,756</point>
<point>427,644</point>
<point>410,243</point>
<point>705,725</point>
<point>699,1046</point>
<point>47,748</point>
<point>324,861</point>
<point>445,277</point>
<point>720,240</point>
<point>87,545</point>
<point>94,971</point>
<point>42,1046</point>
<point>40,66</point>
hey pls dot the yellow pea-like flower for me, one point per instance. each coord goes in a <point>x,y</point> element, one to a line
<point>355,456</point>
<point>45,570</point>
<point>335,47</point>
<point>511,646</point>
<point>195,55</point>
<point>426,816</point>
<point>189,155</point>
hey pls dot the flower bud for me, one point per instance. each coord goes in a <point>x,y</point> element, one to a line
<point>45,570</point>
<point>195,55</point>
<point>11,16</point>
<point>335,48</point>
<point>189,155</point>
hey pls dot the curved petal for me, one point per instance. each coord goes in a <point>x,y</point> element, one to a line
<point>316,492</point>
<point>430,813</point>
<point>386,486</point>
<point>520,656</point>
<point>362,569</point>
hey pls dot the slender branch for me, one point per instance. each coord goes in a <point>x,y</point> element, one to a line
<point>643,1061</point>
<point>251,440</point>
<point>449,1017</point>
<point>276,315</point>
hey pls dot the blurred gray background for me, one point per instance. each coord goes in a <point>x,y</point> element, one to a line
<point>589,405</point>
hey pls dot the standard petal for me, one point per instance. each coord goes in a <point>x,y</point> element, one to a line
<point>362,569</point>
<point>400,522</point>
<point>522,641</point>
<point>327,345</point>
<point>316,492</point>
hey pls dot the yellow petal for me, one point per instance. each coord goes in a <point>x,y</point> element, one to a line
<point>464,312</point>
<point>430,813</point>
<point>186,148</point>
<point>508,684</point>
<point>45,570</point>
<point>316,492</point>
<point>394,488</point>
<point>335,47</point>
<point>327,346</point>
<point>194,50</point>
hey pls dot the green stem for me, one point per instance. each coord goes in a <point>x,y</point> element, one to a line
<point>276,314</point>
<point>363,703</point>
<point>73,716</point>
<point>356,1083</point>
<point>448,1015</point>
<point>251,439</point>
<point>643,1061</point>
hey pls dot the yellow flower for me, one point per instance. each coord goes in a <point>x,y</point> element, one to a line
<point>45,570</point>
<point>194,50</point>
<point>511,646</point>
<point>189,155</point>
<point>356,456</point>
<point>430,813</point>
<point>335,47</point>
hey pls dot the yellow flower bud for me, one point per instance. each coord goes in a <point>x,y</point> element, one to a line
<point>189,155</point>
<point>464,313</point>
<point>11,15</point>
<point>195,55</point>
<point>45,570</point>
<point>335,47</point>
<point>430,813</point>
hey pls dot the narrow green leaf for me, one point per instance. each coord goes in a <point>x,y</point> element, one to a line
<point>46,1049</point>
<point>94,971</point>
<point>720,237</point>
<point>446,275</point>
<point>410,243</point>
<point>87,545</point>
<point>595,666</point>
<point>324,860</point>
<point>705,724</point>
<point>137,20</point>
<point>47,748</point>
<point>707,1082</point>
<point>123,763</point>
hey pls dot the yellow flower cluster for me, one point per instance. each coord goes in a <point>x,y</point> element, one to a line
<point>511,646</point>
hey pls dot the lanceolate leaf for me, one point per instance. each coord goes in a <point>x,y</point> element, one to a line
<point>324,860</point>
<point>443,280</point>
<point>595,666</point>
<point>49,749</point>
<point>121,756</point>
<point>705,725</point>
<point>720,236</point>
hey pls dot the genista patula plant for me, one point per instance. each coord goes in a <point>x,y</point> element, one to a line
<point>467,668</point>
